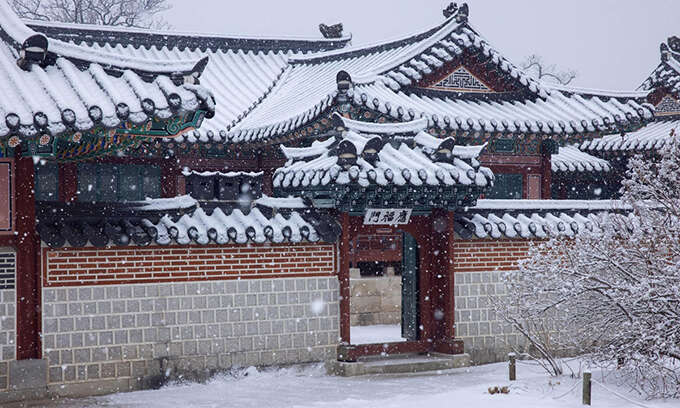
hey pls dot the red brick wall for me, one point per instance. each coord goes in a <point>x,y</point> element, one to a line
<point>489,255</point>
<point>92,266</point>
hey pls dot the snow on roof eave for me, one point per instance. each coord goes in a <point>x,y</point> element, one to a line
<point>280,202</point>
<point>164,204</point>
<point>433,35</point>
<point>413,126</point>
<point>487,204</point>
<point>188,172</point>
<point>596,92</point>
<point>96,29</point>
<point>15,28</point>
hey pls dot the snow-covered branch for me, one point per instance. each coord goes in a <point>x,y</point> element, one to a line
<point>614,293</point>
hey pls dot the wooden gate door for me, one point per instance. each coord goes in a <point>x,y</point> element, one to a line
<point>409,288</point>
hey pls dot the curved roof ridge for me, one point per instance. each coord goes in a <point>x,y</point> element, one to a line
<point>148,38</point>
<point>596,92</point>
<point>413,126</point>
<point>444,28</point>
<point>18,32</point>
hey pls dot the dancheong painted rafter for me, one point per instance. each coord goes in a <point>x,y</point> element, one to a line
<point>52,88</point>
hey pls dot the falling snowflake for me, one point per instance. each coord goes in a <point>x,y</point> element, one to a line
<point>317,306</point>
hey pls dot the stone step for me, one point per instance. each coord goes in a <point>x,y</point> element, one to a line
<point>398,364</point>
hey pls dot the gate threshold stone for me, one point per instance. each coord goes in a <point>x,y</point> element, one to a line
<point>398,364</point>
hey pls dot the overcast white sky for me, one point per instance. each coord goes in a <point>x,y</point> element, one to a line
<point>613,44</point>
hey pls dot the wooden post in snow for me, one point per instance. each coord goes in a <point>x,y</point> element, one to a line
<point>512,367</point>
<point>586,387</point>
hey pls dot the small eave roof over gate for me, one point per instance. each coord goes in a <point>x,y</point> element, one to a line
<point>76,88</point>
<point>392,156</point>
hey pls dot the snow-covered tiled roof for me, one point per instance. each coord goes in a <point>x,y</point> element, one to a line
<point>650,137</point>
<point>396,158</point>
<point>242,70</point>
<point>571,159</point>
<point>532,218</point>
<point>76,88</point>
<point>234,227</point>
<point>383,76</point>
<point>559,112</point>
<point>667,74</point>
<point>165,225</point>
<point>268,92</point>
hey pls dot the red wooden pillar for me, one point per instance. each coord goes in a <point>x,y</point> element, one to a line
<point>445,341</point>
<point>28,287</point>
<point>68,186</point>
<point>546,167</point>
<point>170,173</point>
<point>343,276</point>
<point>428,296</point>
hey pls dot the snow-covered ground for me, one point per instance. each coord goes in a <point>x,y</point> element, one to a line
<point>310,388</point>
<point>379,333</point>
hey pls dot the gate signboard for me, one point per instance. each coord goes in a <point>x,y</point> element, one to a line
<point>387,216</point>
<point>6,196</point>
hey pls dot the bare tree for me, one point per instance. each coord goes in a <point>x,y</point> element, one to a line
<point>534,66</point>
<point>128,13</point>
<point>613,293</point>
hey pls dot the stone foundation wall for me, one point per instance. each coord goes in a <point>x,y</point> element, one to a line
<point>375,300</point>
<point>231,307</point>
<point>144,331</point>
<point>479,267</point>
<point>7,315</point>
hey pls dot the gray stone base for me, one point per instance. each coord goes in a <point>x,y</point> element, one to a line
<point>398,364</point>
<point>27,380</point>
<point>27,374</point>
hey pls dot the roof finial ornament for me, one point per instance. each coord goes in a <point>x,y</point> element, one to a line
<point>674,43</point>
<point>332,31</point>
<point>450,10</point>
<point>33,51</point>
<point>461,13</point>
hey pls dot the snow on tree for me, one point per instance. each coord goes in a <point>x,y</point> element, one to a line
<point>129,13</point>
<point>612,294</point>
<point>536,67</point>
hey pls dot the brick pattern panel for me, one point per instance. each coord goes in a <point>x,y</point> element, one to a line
<point>7,270</point>
<point>7,333</point>
<point>127,331</point>
<point>88,266</point>
<point>479,265</point>
<point>489,255</point>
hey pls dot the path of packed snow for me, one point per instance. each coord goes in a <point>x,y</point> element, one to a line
<point>310,388</point>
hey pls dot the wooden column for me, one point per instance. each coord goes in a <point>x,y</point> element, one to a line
<point>28,287</point>
<point>68,182</point>
<point>343,276</point>
<point>546,167</point>
<point>170,174</point>
<point>445,341</point>
<point>428,293</point>
<point>448,273</point>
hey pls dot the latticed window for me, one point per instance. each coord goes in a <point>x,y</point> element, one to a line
<point>118,182</point>
<point>507,186</point>
<point>47,182</point>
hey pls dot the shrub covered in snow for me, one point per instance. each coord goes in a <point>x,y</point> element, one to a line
<point>613,293</point>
